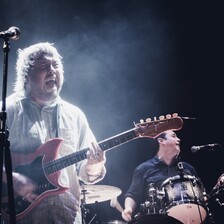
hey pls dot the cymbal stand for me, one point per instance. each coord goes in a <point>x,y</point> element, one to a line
<point>152,193</point>
<point>84,210</point>
<point>5,156</point>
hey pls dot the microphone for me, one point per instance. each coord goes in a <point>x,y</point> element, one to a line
<point>12,33</point>
<point>208,146</point>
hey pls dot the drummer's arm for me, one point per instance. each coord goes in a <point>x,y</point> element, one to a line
<point>129,207</point>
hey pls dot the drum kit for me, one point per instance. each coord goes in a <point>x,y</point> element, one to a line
<point>183,198</point>
<point>180,200</point>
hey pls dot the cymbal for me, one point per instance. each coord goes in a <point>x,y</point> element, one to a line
<point>99,193</point>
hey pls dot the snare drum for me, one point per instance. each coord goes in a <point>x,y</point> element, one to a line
<point>184,199</point>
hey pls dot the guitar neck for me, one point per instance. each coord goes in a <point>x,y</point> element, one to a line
<point>105,145</point>
<point>117,140</point>
<point>149,129</point>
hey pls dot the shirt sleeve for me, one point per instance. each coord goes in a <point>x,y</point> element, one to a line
<point>137,186</point>
<point>86,138</point>
<point>90,179</point>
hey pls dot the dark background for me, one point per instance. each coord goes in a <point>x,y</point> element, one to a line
<point>127,60</point>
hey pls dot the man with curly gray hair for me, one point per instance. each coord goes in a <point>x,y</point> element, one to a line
<point>43,127</point>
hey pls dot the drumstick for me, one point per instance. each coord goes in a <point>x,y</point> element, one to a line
<point>115,204</point>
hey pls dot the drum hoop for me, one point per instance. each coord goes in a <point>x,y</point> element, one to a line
<point>115,222</point>
<point>185,202</point>
<point>178,177</point>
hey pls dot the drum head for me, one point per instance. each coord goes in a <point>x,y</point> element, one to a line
<point>188,213</point>
<point>156,219</point>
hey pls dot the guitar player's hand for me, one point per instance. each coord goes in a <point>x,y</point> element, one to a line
<point>24,187</point>
<point>95,160</point>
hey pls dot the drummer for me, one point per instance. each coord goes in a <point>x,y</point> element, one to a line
<point>153,172</point>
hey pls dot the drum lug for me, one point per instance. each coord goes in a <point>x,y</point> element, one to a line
<point>161,194</point>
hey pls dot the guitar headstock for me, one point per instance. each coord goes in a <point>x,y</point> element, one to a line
<point>152,128</point>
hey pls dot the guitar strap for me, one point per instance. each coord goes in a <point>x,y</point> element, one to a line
<point>57,117</point>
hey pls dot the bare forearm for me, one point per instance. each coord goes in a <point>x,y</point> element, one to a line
<point>129,207</point>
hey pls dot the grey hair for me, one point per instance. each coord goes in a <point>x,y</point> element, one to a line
<point>26,58</point>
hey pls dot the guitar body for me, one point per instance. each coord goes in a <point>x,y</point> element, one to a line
<point>33,167</point>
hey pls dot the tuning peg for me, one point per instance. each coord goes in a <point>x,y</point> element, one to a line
<point>168,116</point>
<point>148,119</point>
<point>175,115</point>
<point>161,117</point>
<point>141,121</point>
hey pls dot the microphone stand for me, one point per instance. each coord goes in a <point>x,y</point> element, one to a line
<point>5,156</point>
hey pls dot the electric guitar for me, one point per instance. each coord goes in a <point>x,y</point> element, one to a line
<point>44,167</point>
